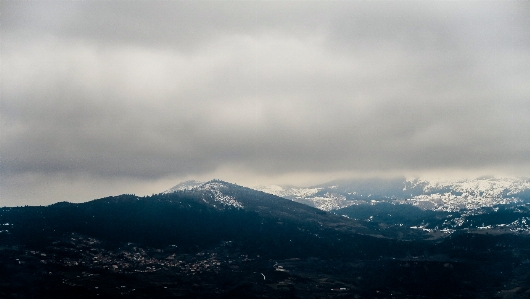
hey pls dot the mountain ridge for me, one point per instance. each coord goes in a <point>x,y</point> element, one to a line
<point>437,208</point>
<point>432,195</point>
<point>197,243</point>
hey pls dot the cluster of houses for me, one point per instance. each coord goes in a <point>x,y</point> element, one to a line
<point>81,250</point>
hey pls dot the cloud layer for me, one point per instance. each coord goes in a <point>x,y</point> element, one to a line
<point>110,93</point>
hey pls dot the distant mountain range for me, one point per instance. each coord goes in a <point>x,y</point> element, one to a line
<point>449,196</point>
<point>501,204</point>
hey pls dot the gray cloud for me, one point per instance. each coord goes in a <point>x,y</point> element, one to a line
<point>120,92</point>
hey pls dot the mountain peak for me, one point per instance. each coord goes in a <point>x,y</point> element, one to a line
<point>187,185</point>
<point>212,192</point>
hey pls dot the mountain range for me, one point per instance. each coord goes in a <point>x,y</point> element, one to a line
<point>437,207</point>
<point>449,196</point>
<point>220,240</point>
<point>430,195</point>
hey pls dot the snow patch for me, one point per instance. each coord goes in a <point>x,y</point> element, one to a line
<point>214,188</point>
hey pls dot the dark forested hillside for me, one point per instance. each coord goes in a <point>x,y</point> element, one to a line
<point>268,225</point>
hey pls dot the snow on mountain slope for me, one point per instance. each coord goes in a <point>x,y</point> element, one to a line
<point>429,195</point>
<point>288,191</point>
<point>187,185</point>
<point>310,196</point>
<point>212,191</point>
<point>332,201</point>
<point>489,187</point>
<point>215,188</point>
<point>470,194</point>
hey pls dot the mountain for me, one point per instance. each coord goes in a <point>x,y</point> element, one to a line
<point>341,193</point>
<point>221,240</point>
<point>391,207</point>
<point>201,216</point>
<point>469,194</point>
<point>436,207</point>
<point>187,185</point>
<point>450,196</point>
<point>219,194</point>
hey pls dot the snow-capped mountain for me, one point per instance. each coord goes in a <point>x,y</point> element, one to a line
<point>215,188</point>
<point>447,196</point>
<point>429,195</point>
<point>311,196</point>
<point>500,204</point>
<point>223,195</point>
<point>288,191</point>
<point>187,185</point>
<point>434,206</point>
<point>474,194</point>
<point>211,191</point>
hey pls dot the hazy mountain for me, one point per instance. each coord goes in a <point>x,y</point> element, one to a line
<point>451,196</point>
<point>440,208</point>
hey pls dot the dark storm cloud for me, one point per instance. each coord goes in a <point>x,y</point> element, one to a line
<point>120,90</point>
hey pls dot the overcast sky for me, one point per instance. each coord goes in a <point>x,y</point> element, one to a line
<point>104,98</point>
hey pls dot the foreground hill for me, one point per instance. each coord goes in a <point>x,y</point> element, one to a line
<point>216,211</point>
<point>219,240</point>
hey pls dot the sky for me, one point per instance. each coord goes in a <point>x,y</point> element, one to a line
<point>102,98</point>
